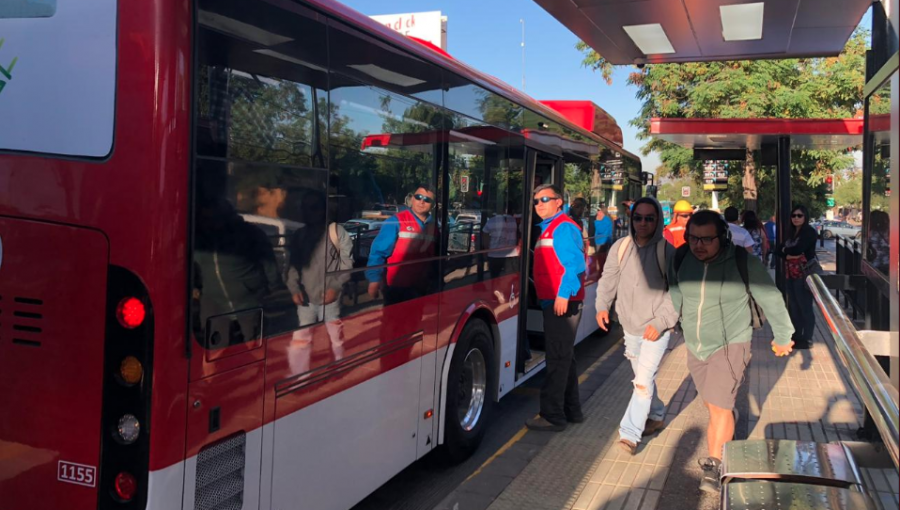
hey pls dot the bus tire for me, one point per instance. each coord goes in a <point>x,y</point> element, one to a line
<point>470,392</point>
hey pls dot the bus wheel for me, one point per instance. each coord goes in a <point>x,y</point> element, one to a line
<point>470,390</point>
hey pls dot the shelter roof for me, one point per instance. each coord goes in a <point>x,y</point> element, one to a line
<point>752,133</point>
<point>638,31</point>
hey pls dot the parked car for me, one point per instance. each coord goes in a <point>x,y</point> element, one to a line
<point>464,237</point>
<point>357,226</point>
<point>831,228</point>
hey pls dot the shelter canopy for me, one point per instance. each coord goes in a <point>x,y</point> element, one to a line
<point>657,31</point>
<point>754,133</point>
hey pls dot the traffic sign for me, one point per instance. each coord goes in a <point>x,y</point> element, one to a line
<point>829,201</point>
<point>685,191</point>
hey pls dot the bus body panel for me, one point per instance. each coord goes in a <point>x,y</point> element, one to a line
<point>53,296</point>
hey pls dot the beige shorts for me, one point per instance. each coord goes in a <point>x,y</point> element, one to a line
<point>718,377</point>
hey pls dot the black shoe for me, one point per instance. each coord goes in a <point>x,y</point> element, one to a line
<point>653,426</point>
<point>575,417</point>
<point>541,424</point>
<point>711,481</point>
<point>801,344</point>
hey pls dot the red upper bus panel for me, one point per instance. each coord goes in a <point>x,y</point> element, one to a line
<point>590,117</point>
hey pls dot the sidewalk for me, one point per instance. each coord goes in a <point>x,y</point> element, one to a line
<point>801,397</point>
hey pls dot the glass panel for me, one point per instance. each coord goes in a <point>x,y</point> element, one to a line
<point>485,191</point>
<point>878,232</point>
<point>475,102</point>
<point>261,84</point>
<point>386,154</point>
<point>27,9</point>
<point>365,59</point>
<point>249,221</point>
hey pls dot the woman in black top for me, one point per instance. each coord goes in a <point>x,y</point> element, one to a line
<point>798,252</point>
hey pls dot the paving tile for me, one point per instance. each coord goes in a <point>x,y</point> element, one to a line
<point>634,499</point>
<point>584,500</point>
<point>601,471</point>
<point>601,497</point>
<point>644,476</point>
<point>651,498</point>
<point>627,478</point>
<point>614,473</point>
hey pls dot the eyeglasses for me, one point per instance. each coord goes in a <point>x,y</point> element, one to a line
<point>705,241</point>
<point>797,216</point>
<point>639,219</point>
<point>544,200</point>
<point>423,198</point>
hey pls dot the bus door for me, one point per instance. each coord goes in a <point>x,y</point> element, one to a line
<point>541,168</point>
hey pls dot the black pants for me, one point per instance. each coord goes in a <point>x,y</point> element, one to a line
<point>800,307</point>
<point>559,394</point>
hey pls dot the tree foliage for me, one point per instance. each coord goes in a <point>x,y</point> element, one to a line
<point>789,88</point>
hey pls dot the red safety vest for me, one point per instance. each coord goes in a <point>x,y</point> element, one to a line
<point>413,243</point>
<point>675,235</point>
<point>548,270</point>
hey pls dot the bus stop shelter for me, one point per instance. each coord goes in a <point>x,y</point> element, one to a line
<point>729,139</point>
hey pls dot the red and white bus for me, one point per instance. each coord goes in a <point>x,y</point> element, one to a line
<point>172,172</point>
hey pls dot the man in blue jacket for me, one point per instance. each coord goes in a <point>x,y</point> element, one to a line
<point>558,271</point>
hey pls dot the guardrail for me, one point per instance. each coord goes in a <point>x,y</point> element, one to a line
<point>867,377</point>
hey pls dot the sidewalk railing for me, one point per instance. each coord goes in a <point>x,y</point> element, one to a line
<point>867,377</point>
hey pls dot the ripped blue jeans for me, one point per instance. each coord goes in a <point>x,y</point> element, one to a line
<point>645,357</point>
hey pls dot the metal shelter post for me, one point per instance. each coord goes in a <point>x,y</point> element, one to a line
<point>783,203</point>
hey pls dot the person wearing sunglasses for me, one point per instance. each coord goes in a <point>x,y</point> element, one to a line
<point>558,271</point>
<point>713,284</point>
<point>634,277</point>
<point>799,255</point>
<point>674,233</point>
<point>409,235</point>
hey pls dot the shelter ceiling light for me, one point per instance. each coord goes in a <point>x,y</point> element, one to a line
<point>651,38</point>
<point>742,22</point>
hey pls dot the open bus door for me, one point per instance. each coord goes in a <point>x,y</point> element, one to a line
<point>540,168</point>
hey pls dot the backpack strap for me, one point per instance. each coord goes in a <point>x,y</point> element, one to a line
<point>661,260</point>
<point>680,254</point>
<point>740,258</point>
<point>626,242</point>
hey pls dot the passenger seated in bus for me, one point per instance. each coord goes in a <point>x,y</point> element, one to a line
<point>316,251</point>
<point>409,235</point>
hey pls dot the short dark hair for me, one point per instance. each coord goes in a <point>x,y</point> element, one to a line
<point>427,187</point>
<point>731,214</point>
<point>707,217</point>
<point>551,187</point>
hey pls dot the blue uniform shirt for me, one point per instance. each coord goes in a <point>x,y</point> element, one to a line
<point>383,245</point>
<point>770,230</point>
<point>603,231</point>
<point>569,248</point>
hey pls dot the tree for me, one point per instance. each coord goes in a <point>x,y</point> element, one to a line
<point>848,192</point>
<point>790,88</point>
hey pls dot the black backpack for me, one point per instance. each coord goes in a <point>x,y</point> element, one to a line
<point>757,316</point>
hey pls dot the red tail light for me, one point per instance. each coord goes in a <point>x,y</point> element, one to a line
<point>131,312</point>
<point>126,486</point>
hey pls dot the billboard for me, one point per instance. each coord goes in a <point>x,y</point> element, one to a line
<point>428,26</point>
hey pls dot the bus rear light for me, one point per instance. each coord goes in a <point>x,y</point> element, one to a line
<point>131,312</point>
<point>129,429</point>
<point>125,486</point>
<point>131,371</point>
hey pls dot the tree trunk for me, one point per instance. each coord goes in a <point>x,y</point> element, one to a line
<point>749,182</point>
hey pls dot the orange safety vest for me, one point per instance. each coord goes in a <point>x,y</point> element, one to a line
<point>413,243</point>
<point>675,235</point>
<point>548,270</point>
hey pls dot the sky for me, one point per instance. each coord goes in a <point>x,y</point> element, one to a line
<point>487,35</point>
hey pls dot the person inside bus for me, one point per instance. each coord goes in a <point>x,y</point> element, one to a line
<point>316,251</point>
<point>706,283</point>
<point>501,238</point>
<point>235,259</point>
<point>634,277</point>
<point>878,246</point>
<point>407,236</point>
<point>558,271</point>
<point>674,233</point>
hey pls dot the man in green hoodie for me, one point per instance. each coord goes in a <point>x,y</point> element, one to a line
<point>706,285</point>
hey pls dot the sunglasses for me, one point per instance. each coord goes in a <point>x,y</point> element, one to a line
<point>423,198</point>
<point>797,216</point>
<point>639,219</point>
<point>544,200</point>
<point>705,241</point>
